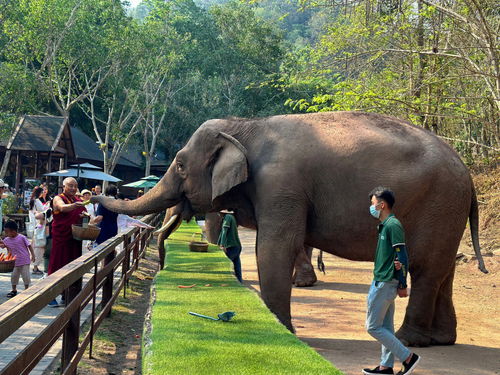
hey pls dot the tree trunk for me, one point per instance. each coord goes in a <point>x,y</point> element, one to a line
<point>422,64</point>
<point>60,179</point>
<point>105,167</point>
<point>147,171</point>
<point>5,164</point>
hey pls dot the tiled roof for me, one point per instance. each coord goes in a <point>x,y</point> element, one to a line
<point>37,133</point>
<point>86,148</point>
<point>42,133</point>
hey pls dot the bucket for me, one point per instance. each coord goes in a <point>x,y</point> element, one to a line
<point>90,232</point>
<point>7,266</point>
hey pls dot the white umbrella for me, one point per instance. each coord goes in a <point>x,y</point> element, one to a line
<point>86,166</point>
<point>84,173</point>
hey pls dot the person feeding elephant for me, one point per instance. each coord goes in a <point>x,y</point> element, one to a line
<point>389,280</point>
<point>230,242</point>
<point>68,210</point>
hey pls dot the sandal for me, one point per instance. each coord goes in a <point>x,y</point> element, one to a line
<point>12,293</point>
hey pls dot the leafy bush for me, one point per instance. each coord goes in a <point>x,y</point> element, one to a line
<point>9,205</point>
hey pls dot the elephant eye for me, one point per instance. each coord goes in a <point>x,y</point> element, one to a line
<point>180,166</point>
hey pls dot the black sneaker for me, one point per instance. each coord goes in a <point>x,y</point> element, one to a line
<point>12,293</point>
<point>409,367</point>
<point>54,303</point>
<point>377,370</point>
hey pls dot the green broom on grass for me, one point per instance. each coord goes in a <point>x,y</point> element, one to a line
<point>225,316</point>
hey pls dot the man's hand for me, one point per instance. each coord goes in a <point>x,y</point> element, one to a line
<point>32,258</point>
<point>397,265</point>
<point>78,204</point>
<point>403,292</point>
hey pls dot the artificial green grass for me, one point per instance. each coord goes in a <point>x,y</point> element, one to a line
<point>252,343</point>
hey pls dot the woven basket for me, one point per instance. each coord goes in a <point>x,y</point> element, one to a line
<point>198,247</point>
<point>91,232</point>
<point>7,266</point>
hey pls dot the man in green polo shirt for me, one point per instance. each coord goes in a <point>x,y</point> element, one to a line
<point>389,280</point>
<point>230,242</point>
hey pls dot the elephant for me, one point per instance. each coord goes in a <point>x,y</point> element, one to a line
<point>305,178</point>
<point>304,275</point>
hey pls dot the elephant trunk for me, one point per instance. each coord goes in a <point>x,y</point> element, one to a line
<point>164,195</point>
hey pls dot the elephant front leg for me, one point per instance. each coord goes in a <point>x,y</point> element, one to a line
<point>275,259</point>
<point>304,271</point>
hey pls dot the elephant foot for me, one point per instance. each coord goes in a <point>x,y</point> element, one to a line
<point>305,279</point>
<point>411,337</point>
<point>443,338</point>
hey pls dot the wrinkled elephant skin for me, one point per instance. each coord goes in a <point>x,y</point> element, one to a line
<point>305,179</point>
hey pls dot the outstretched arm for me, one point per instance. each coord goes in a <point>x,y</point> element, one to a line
<point>60,206</point>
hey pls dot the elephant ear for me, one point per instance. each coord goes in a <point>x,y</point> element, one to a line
<point>230,168</point>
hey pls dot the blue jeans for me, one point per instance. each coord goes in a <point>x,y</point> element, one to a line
<point>380,321</point>
<point>233,253</point>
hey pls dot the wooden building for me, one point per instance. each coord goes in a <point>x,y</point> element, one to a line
<point>38,145</point>
<point>44,144</point>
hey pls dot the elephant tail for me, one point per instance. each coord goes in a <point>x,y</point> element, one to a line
<point>474,230</point>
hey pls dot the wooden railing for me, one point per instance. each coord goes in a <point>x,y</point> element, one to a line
<point>69,280</point>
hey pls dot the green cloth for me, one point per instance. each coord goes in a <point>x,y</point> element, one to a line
<point>391,234</point>
<point>229,234</point>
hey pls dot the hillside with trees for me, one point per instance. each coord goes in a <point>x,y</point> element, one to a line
<point>152,74</point>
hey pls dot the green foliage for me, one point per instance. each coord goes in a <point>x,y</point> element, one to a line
<point>7,124</point>
<point>9,205</point>
<point>412,61</point>
<point>18,92</point>
<point>247,58</point>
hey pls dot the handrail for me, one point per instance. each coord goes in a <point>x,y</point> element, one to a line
<point>20,309</point>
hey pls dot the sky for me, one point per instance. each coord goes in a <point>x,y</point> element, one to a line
<point>133,3</point>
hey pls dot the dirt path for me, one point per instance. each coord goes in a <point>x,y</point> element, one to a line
<point>330,316</point>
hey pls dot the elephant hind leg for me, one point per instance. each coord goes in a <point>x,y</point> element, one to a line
<point>430,317</point>
<point>416,328</point>
<point>444,323</point>
<point>304,275</point>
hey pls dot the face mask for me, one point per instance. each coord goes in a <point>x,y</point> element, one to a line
<point>374,212</point>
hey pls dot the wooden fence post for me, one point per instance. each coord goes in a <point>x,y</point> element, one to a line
<point>126,263</point>
<point>72,332</point>
<point>144,242</point>
<point>135,253</point>
<point>107,286</point>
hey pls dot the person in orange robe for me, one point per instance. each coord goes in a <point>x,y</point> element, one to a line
<point>68,210</point>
